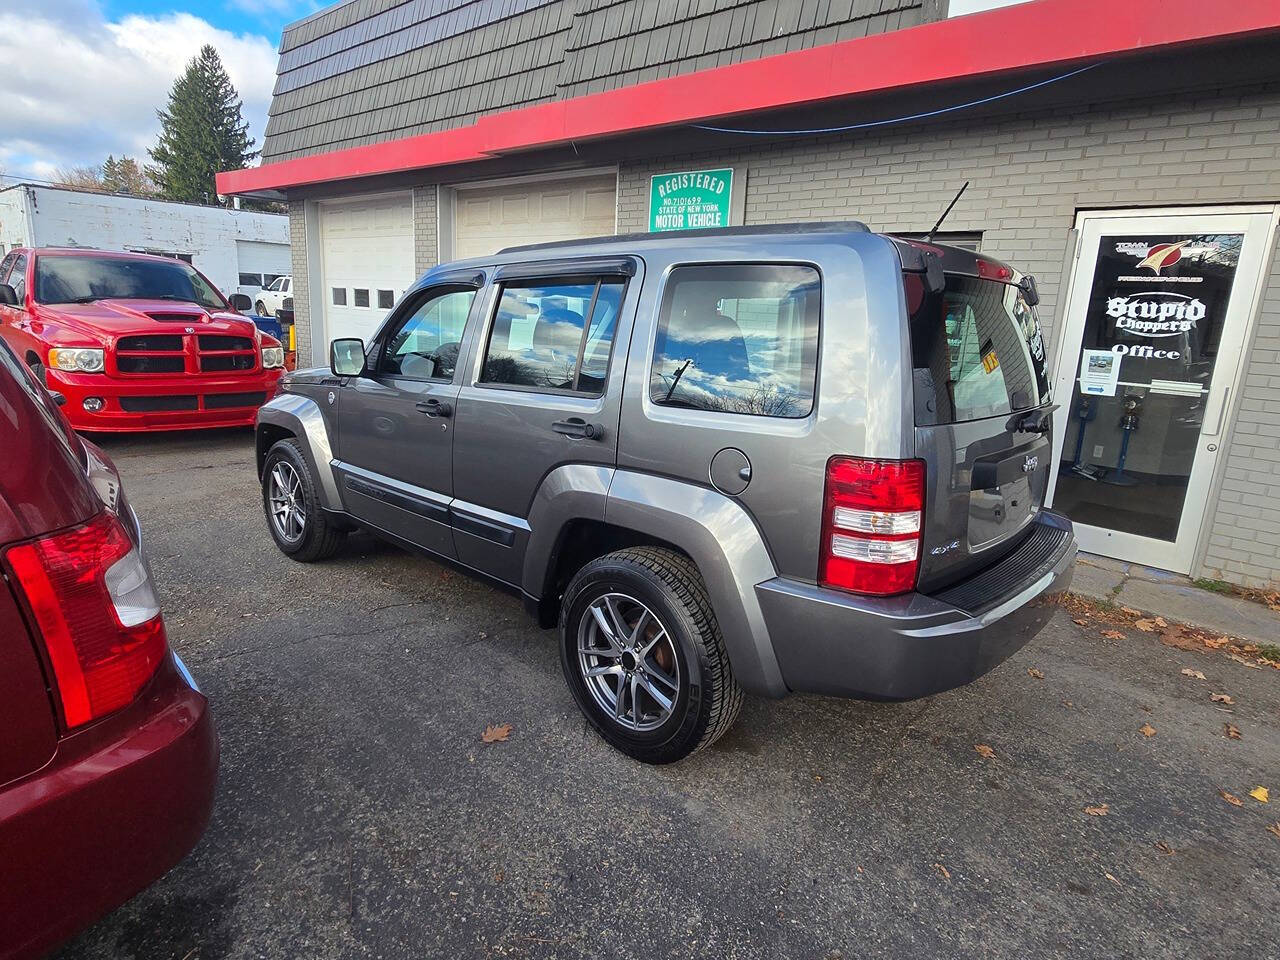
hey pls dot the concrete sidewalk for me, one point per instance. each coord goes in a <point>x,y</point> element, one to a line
<point>1173,597</point>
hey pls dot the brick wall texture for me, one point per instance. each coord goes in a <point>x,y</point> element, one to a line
<point>301,287</point>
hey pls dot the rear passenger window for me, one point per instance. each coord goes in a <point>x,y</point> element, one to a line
<point>738,338</point>
<point>554,335</point>
<point>425,347</point>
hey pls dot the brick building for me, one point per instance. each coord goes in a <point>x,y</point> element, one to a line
<point>1128,155</point>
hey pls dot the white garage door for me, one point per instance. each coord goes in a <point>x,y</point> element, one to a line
<point>367,257</point>
<point>490,218</point>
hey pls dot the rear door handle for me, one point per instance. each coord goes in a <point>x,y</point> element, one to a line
<point>579,429</point>
<point>434,407</point>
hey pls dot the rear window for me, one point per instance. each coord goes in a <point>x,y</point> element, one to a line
<point>738,338</point>
<point>976,350</point>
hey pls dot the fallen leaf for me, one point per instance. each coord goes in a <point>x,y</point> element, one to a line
<point>1113,634</point>
<point>1241,660</point>
<point>1033,672</point>
<point>1214,643</point>
<point>1261,794</point>
<point>1131,612</point>
<point>1164,848</point>
<point>1231,730</point>
<point>1275,828</point>
<point>1068,704</point>
<point>1147,730</point>
<point>1080,622</point>
<point>495,734</point>
<point>984,751</point>
<point>1099,811</point>
<point>1188,672</point>
<point>1234,801</point>
<point>1112,879</point>
<point>1146,626</point>
<point>1221,698</point>
<point>942,871</point>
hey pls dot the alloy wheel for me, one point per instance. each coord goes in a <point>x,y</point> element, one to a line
<point>288,514</point>
<point>628,659</point>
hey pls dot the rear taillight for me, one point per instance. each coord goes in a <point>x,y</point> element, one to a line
<point>872,516</point>
<point>91,596</point>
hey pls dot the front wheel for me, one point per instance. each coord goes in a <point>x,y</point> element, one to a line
<point>37,371</point>
<point>643,654</point>
<point>294,517</point>
<point>260,308</point>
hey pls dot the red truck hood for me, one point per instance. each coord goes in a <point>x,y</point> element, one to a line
<point>114,318</point>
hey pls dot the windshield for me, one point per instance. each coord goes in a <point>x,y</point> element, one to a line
<point>977,351</point>
<point>79,279</point>
<point>277,284</point>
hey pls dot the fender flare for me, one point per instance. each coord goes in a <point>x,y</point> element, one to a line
<point>302,417</point>
<point>713,529</point>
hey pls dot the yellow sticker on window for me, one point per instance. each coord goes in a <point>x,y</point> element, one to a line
<point>990,361</point>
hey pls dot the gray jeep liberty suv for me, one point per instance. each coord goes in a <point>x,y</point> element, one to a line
<point>806,458</point>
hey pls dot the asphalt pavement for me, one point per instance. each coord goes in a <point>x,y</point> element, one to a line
<point>360,815</point>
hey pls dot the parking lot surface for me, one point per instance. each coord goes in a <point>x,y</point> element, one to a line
<point>360,815</point>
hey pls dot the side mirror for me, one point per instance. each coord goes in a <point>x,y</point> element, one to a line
<point>1030,292</point>
<point>8,295</point>
<point>346,357</point>
<point>241,302</point>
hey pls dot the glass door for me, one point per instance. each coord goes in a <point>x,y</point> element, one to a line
<point>1156,319</point>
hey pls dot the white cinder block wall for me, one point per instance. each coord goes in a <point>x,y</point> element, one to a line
<point>57,217</point>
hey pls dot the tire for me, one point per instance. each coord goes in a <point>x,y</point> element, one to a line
<point>37,370</point>
<point>310,536</point>
<point>687,663</point>
<point>260,308</point>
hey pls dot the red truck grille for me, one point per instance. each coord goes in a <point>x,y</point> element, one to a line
<point>174,353</point>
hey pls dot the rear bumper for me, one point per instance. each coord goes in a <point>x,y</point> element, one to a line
<point>909,646</point>
<point>120,804</point>
<point>205,401</point>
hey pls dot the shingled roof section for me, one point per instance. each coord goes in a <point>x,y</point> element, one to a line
<point>366,71</point>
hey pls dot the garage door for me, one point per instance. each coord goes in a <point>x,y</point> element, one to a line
<point>367,256</point>
<point>491,218</point>
<point>259,263</point>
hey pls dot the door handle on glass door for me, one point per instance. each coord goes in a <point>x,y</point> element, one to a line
<point>1212,425</point>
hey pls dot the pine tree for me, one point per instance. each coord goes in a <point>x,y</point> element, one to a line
<point>201,133</point>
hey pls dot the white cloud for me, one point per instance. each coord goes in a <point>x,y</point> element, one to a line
<point>95,89</point>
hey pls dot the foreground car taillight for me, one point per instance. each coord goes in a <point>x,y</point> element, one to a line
<point>91,596</point>
<point>872,516</point>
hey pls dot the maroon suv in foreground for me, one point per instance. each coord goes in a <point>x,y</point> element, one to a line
<point>108,754</point>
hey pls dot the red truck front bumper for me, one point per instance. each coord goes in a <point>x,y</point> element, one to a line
<point>121,803</point>
<point>180,402</point>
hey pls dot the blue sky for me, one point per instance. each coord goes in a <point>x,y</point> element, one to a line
<point>104,67</point>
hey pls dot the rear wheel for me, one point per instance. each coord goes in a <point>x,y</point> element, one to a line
<point>294,517</point>
<point>643,654</point>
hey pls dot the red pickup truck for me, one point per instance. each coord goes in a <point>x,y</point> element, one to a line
<point>134,342</point>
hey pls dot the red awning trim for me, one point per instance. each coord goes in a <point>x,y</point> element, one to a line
<point>1021,37</point>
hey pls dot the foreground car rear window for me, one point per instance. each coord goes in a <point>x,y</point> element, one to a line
<point>976,350</point>
<point>738,338</point>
